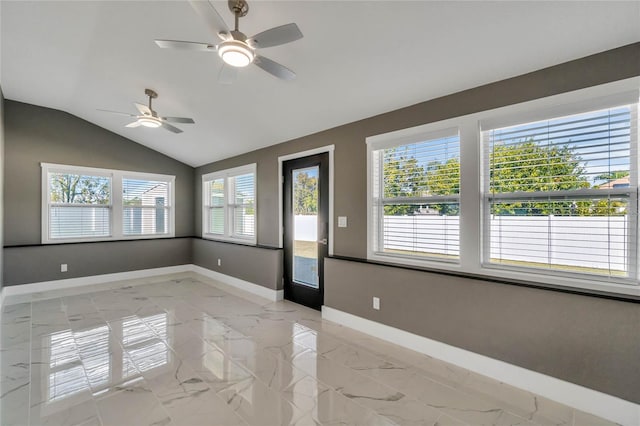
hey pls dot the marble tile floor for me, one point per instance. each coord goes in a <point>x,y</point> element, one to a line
<point>188,351</point>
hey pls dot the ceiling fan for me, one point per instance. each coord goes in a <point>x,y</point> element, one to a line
<point>149,118</point>
<point>236,49</point>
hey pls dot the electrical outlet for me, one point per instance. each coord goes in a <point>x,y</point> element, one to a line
<point>219,262</point>
<point>63,267</point>
<point>376,303</point>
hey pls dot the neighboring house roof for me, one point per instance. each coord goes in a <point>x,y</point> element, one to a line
<point>616,183</point>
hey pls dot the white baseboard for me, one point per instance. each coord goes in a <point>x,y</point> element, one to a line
<point>576,396</point>
<point>91,280</point>
<point>15,290</point>
<point>258,290</point>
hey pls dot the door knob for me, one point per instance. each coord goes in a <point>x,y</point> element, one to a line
<point>323,241</point>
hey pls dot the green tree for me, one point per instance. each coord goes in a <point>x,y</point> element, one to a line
<point>70,188</point>
<point>403,177</point>
<point>522,167</point>
<point>617,174</point>
<point>530,167</point>
<point>305,194</point>
<point>443,178</point>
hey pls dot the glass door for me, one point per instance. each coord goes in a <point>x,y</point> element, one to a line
<point>305,228</point>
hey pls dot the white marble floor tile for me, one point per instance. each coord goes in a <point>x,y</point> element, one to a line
<point>134,405</point>
<point>258,404</point>
<point>181,351</point>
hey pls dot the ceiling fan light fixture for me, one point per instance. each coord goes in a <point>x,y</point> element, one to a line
<point>236,53</point>
<point>149,122</point>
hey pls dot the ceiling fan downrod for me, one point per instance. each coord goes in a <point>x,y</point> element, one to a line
<point>152,95</point>
<point>239,8</point>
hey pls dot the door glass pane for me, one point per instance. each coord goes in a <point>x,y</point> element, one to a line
<point>305,226</point>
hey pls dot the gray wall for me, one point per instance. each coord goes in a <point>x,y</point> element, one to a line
<point>35,134</point>
<point>32,264</point>
<point>262,266</point>
<point>1,183</point>
<point>350,149</point>
<point>585,340</point>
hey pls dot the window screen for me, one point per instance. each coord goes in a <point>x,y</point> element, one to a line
<point>561,194</point>
<point>79,205</point>
<point>145,207</point>
<point>416,198</point>
<point>229,204</point>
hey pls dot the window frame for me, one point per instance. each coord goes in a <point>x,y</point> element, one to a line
<point>116,205</point>
<point>375,199</point>
<point>560,111</point>
<point>229,234</point>
<point>473,236</point>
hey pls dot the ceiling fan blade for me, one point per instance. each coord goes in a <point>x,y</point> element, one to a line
<point>171,128</point>
<point>274,68</point>
<point>185,45</point>
<point>276,36</point>
<point>228,74</point>
<point>144,110</point>
<point>210,15</point>
<point>118,112</point>
<point>178,120</point>
<point>134,124</point>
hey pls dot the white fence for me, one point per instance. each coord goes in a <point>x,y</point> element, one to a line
<point>583,241</point>
<point>306,227</point>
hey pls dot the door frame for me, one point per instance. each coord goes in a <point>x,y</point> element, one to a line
<point>281,159</point>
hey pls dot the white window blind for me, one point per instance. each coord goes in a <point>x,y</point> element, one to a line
<point>214,206</point>
<point>145,207</point>
<point>91,204</point>
<point>561,194</point>
<point>229,204</point>
<point>79,205</point>
<point>243,205</point>
<point>416,190</point>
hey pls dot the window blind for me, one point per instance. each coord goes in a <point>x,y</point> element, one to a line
<point>416,198</point>
<point>145,207</point>
<point>79,205</point>
<point>229,204</point>
<point>561,194</point>
<point>243,205</point>
<point>214,205</point>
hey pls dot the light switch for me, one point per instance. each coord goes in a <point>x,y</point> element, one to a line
<point>342,221</point>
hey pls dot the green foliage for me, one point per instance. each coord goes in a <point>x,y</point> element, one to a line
<point>522,167</point>
<point>618,174</point>
<point>403,177</point>
<point>305,194</point>
<point>70,188</point>
<point>135,201</point>
<point>529,167</point>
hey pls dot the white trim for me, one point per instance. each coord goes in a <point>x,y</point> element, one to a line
<point>258,290</point>
<point>281,159</point>
<point>472,224</point>
<point>576,396</point>
<point>226,175</point>
<point>20,289</point>
<point>116,204</point>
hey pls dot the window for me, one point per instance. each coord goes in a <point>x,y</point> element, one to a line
<point>145,206</point>
<point>416,204</point>
<point>229,204</point>
<point>561,193</point>
<point>88,204</point>
<point>544,191</point>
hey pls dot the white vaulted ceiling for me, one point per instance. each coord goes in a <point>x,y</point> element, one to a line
<point>356,59</point>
